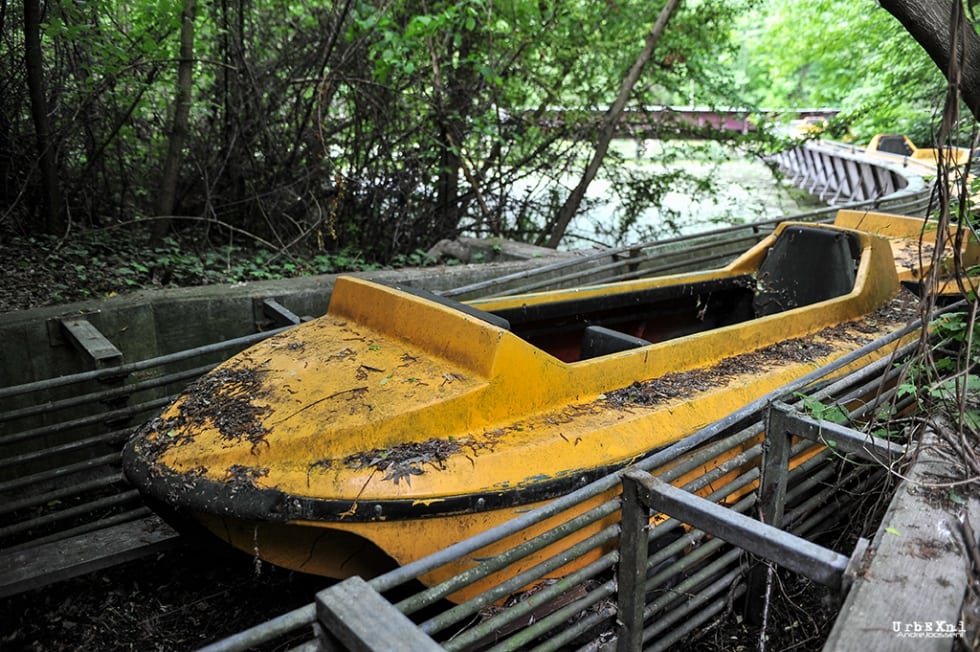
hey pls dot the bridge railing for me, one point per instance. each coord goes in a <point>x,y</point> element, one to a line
<point>838,173</point>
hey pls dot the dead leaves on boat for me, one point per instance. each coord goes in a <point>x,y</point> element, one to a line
<point>242,477</point>
<point>408,459</point>
<point>687,384</point>
<point>225,398</point>
<point>403,461</point>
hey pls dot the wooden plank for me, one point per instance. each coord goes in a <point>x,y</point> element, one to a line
<point>275,312</point>
<point>34,567</point>
<point>357,617</point>
<point>908,597</point>
<point>91,342</point>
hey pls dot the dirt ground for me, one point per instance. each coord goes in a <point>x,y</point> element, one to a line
<point>181,599</point>
<point>188,597</point>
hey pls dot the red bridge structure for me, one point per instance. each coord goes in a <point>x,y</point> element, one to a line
<point>662,122</point>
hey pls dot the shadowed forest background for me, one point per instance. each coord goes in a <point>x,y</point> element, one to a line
<point>169,142</point>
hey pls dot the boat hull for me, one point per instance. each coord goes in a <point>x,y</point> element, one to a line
<point>370,536</point>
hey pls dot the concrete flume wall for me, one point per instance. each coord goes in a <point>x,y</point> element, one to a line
<point>147,324</point>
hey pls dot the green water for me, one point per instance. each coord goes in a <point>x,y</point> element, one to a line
<point>742,190</point>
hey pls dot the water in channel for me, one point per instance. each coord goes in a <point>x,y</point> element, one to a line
<point>677,188</point>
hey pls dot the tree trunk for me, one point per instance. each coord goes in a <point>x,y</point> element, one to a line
<point>608,127</point>
<point>51,202</point>
<point>452,104</point>
<point>178,131</point>
<point>929,22</point>
<point>447,184</point>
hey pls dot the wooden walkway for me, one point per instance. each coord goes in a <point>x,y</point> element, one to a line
<point>909,596</point>
<point>37,566</point>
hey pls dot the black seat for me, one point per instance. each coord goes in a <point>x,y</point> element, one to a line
<point>894,145</point>
<point>599,340</point>
<point>805,265</point>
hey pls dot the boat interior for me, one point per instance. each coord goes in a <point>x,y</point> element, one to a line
<point>805,265</point>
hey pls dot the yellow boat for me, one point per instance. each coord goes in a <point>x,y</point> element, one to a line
<point>401,422</point>
<point>900,146</point>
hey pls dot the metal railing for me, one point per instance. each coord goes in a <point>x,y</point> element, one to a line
<point>838,173</point>
<point>61,441</point>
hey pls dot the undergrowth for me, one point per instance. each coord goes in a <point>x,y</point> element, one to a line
<point>97,263</point>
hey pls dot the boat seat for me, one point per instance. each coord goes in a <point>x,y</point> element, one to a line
<point>483,315</point>
<point>894,145</point>
<point>805,265</point>
<point>599,340</point>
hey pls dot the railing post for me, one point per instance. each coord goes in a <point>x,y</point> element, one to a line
<point>796,156</point>
<point>854,191</point>
<point>843,187</point>
<point>782,422</point>
<point>351,615</point>
<point>833,181</point>
<point>772,502</point>
<point>775,467</point>
<point>869,188</point>
<point>98,351</point>
<point>631,574</point>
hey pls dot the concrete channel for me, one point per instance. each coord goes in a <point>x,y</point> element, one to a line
<point>76,380</point>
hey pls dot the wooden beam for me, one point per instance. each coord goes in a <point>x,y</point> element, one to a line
<point>353,616</point>
<point>92,343</point>
<point>270,313</point>
<point>908,597</point>
<point>37,566</point>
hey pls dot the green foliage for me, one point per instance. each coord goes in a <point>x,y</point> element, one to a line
<point>371,127</point>
<point>820,410</point>
<point>840,53</point>
<point>955,326</point>
<point>949,378</point>
<point>417,258</point>
<point>98,263</point>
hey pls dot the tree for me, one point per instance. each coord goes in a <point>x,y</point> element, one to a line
<point>51,203</point>
<point>609,123</point>
<point>939,26</point>
<point>358,129</point>
<point>178,129</point>
<point>881,82</point>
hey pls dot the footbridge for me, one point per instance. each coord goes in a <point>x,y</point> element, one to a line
<point>842,173</point>
<point>690,121</point>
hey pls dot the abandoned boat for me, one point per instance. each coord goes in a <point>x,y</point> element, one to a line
<point>401,422</point>
<point>899,147</point>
